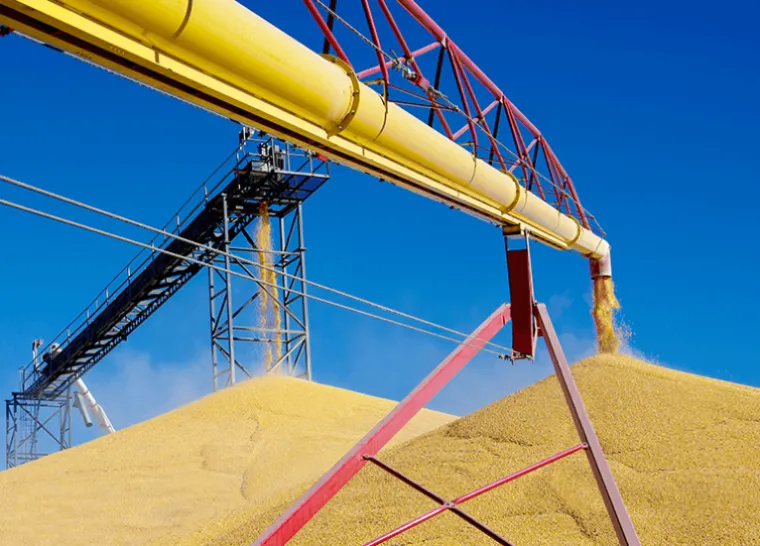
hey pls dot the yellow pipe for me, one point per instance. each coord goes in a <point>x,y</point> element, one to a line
<point>220,55</point>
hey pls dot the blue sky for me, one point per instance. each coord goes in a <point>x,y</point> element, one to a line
<point>652,109</point>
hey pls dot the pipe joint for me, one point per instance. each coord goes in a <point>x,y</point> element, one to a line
<point>353,107</point>
<point>571,242</point>
<point>518,193</point>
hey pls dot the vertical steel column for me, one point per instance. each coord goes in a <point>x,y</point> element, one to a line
<point>613,501</point>
<point>212,310</point>
<point>11,434</point>
<point>26,418</point>
<point>228,285</point>
<point>302,252</point>
<point>265,176</point>
<point>282,265</point>
<point>521,297</point>
<point>65,419</point>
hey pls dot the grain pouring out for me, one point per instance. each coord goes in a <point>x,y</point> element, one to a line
<point>269,316</point>
<point>605,307</point>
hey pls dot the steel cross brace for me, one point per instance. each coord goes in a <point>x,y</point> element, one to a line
<point>453,505</point>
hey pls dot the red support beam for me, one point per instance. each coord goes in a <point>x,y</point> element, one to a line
<point>570,185</point>
<point>328,486</point>
<point>329,36</point>
<point>521,298</point>
<point>482,115</point>
<point>613,501</point>
<point>459,78</point>
<point>482,119</point>
<point>490,533</point>
<point>378,46</point>
<point>419,79</point>
<point>416,53</point>
<point>528,149</point>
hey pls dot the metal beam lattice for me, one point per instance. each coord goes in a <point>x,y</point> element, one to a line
<point>261,169</point>
<point>35,427</point>
<point>237,328</point>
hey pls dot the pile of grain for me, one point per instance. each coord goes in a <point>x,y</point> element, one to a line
<point>683,449</point>
<point>248,447</point>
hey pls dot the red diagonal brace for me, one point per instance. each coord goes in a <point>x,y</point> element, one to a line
<point>605,481</point>
<point>452,505</point>
<point>320,493</point>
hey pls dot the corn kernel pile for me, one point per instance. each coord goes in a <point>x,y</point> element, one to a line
<point>683,449</point>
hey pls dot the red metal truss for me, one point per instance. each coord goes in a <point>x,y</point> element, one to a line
<point>457,95</point>
<point>366,449</point>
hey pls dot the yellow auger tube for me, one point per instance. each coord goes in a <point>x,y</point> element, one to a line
<point>220,55</point>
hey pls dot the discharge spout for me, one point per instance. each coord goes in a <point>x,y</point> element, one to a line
<point>86,401</point>
<point>605,304</point>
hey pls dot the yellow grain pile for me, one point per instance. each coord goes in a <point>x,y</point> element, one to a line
<point>269,315</point>
<point>683,449</point>
<point>244,448</point>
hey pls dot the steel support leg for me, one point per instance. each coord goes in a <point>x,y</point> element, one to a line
<point>212,310</point>
<point>228,283</point>
<point>11,434</point>
<point>282,281</point>
<point>521,297</point>
<point>320,493</point>
<point>613,501</point>
<point>304,299</point>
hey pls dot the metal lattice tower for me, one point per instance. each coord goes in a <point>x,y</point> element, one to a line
<point>35,426</point>
<point>218,213</point>
<point>237,337</point>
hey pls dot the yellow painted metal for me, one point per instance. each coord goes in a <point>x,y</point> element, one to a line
<point>220,55</point>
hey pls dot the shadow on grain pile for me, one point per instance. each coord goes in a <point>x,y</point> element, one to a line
<point>682,447</point>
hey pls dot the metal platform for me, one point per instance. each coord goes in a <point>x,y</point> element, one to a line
<point>268,170</point>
